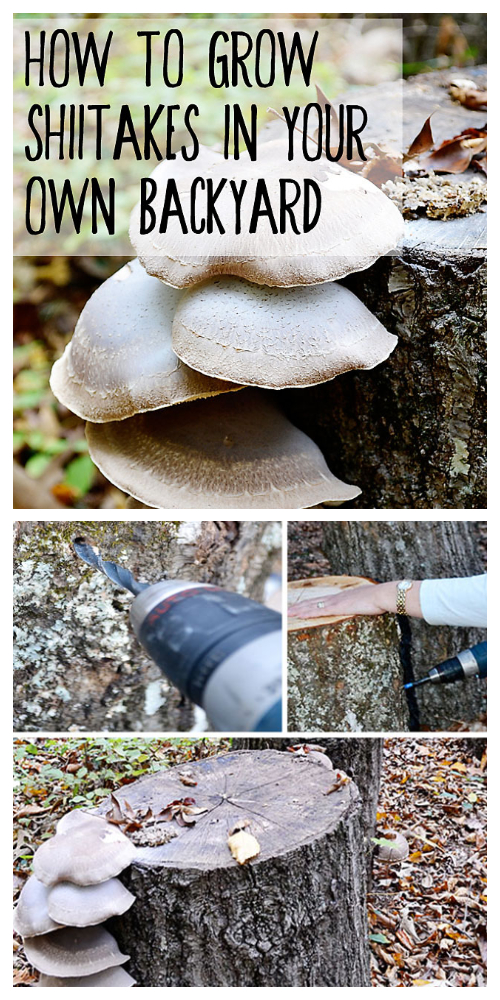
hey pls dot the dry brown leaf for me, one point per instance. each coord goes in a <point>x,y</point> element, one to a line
<point>243,846</point>
<point>30,811</point>
<point>422,142</point>
<point>188,778</point>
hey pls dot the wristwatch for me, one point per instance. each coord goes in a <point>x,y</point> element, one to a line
<point>401,589</point>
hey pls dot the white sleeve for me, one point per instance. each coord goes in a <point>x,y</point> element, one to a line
<point>460,601</point>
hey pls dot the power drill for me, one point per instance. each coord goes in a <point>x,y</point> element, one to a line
<point>470,663</point>
<point>221,650</point>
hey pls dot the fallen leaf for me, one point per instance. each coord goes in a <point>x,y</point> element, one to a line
<point>30,811</point>
<point>422,142</point>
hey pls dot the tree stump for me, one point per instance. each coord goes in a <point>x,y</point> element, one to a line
<point>360,758</point>
<point>344,674</point>
<point>77,663</point>
<point>412,432</point>
<point>293,916</point>
<point>393,550</point>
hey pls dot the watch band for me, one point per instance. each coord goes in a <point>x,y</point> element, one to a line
<point>401,591</point>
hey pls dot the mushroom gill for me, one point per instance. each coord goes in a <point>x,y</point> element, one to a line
<point>107,978</point>
<point>356,226</point>
<point>74,951</point>
<point>274,337</point>
<point>120,359</point>
<point>237,450</point>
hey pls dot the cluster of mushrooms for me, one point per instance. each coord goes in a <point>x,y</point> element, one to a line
<point>177,360</point>
<point>65,903</point>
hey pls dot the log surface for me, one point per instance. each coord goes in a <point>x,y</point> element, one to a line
<point>295,915</point>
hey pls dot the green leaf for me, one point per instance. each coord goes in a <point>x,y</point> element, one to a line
<point>36,465</point>
<point>379,938</point>
<point>80,474</point>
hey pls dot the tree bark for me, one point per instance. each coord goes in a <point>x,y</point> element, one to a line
<point>344,675</point>
<point>392,550</point>
<point>293,916</point>
<point>412,432</point>
<point>77,661</point>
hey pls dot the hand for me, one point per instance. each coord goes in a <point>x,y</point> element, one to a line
<point>363,600</point>
<point>370,599</point>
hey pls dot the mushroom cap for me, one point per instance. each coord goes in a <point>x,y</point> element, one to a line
<point>86,905</point>
<point>31,916</point>
<point>74,952</point>
<point>397,851</point>
<point>88,853</point>
<point>120,360</point>
<point>358,223</point>
<point>75,818</point>
<point>275,337</point>
<point>109,977</point>
<point>238,450</point>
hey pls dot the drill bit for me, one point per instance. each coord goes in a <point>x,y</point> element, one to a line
<point>118,574</point>
<point>415,684</point>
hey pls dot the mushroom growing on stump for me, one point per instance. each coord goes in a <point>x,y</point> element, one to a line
<point>120,360</point>
<point>294,913</point>
<point>234,451</point>
<point>86,905</point>
<point>76,868</point>
<point>91,852</point>
<point>274,337</point>
<point>357,225</point>
<point>74,952</point>
<point>344,672</point>
<point>31,916</point>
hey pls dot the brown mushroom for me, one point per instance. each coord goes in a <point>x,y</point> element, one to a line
<point>74,952</point>
<point>357,224</point>
<point>86,905</point>
<point>89,853</point>
<point>120,360</point>
<point>31,916</point>
<point>235,451</point>
<point>274,337</point>
<point>109,977</point>
<point>396,850</point>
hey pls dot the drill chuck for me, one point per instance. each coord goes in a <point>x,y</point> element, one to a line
<point>221,650</point>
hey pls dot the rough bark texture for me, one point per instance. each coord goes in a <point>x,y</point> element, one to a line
<point>77,662</point>
<point>392,550</point>
<point>346,677</point>
<point>411,433</point>
<point>293,916</point>
<point>360,758</point>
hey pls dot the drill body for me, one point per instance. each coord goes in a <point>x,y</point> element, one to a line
<point>469,663</point>
<point>222,650</point>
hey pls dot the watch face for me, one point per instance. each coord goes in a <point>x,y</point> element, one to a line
<point>405,584</point>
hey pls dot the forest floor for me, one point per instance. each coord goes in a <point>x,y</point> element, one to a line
<point>426,914</point>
